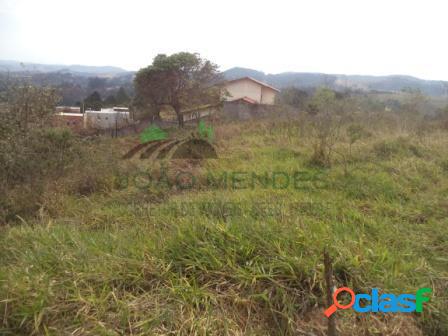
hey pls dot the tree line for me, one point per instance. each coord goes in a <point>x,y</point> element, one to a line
<point>95,102</point>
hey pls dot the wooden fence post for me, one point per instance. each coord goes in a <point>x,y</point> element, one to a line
<point>328,270</point>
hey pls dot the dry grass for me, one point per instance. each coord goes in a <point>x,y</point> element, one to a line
<point>103,264</point>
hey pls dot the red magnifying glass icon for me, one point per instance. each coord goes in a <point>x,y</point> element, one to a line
<point>329,311</point>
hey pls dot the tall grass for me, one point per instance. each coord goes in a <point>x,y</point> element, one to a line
<point>132,261</point>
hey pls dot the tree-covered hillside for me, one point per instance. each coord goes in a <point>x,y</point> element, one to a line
<point>304,80</point>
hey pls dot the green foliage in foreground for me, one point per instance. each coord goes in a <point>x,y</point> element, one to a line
<point>123,262</point>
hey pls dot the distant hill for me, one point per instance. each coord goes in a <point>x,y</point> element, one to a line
<point>306,80</point>
<point>15,66</point>
<point>303,80</point>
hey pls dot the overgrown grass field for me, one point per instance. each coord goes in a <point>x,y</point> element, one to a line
<point>147,259</point>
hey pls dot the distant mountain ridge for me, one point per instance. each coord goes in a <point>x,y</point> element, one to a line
<point>305,80</point>
<point>15,66</point>
<point>302,80</point>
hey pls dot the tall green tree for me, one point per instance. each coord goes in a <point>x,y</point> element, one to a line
<point>110,101</point>
<point>180,80</point>
<point>94,101</point>
<point>122,98</point>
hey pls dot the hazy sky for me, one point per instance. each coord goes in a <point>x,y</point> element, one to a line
<point>345,36</point>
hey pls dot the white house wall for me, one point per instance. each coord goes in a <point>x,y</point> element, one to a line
<point>248,88</point>
<point>105,120</point>
<point>244,88</point>
<point>268,96</point>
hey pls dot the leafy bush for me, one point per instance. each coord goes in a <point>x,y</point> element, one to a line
<point>444,165</point>
<point>34,157</point>
<point>399,147</point>
<point>356,132</point>
<point>28,163</point>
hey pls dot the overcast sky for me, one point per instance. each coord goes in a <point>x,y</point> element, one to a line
<point>346,36</point>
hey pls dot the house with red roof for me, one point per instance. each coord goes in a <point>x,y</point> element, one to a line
<point>250,91</point>
<point>243,98</point>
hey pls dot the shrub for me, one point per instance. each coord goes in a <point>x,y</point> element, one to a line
<point>356,132</point>
<point>399,147</point>
<point>28,164</point>
<point>444,165</point>
<point>34,157</point>
<point>326,124</point>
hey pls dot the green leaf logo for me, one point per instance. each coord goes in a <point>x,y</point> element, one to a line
<point>205,132</point>
<point>152,133</point>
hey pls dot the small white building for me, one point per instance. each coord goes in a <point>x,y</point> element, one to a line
<point>68,109</point>
<point>107,118</point>
<point>251,90</point>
